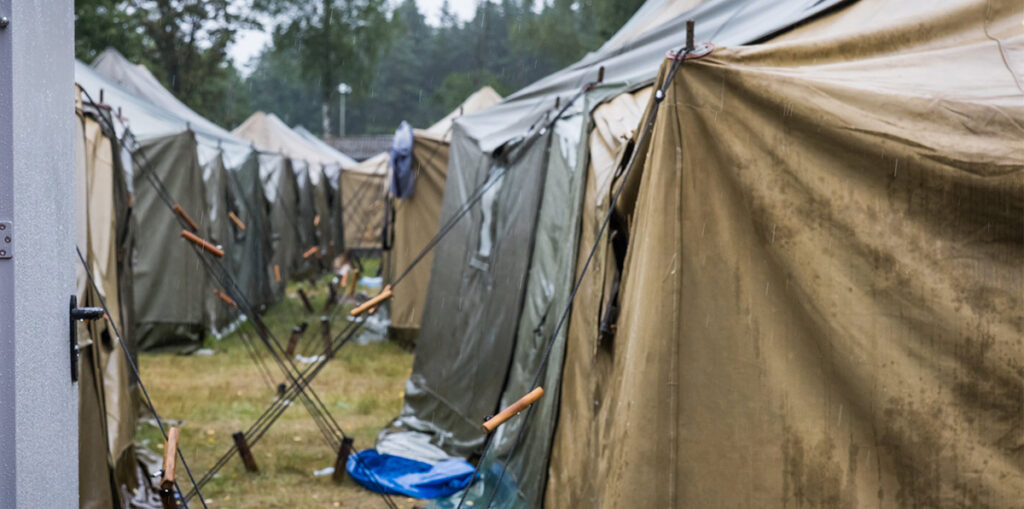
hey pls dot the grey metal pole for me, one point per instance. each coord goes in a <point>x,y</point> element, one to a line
<point>38,401</point>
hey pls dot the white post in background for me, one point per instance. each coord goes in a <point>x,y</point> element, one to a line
<point>38,401</point>
<point>343,91</point>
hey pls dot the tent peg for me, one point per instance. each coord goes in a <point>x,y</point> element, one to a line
<point>204,245</point>
<point>339,464</point>
<point>167,476</point>
<point>372,303</point>
<point>245,452</point>
<point>510,411</point>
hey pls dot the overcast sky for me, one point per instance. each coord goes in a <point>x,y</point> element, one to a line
<point>249,43</point>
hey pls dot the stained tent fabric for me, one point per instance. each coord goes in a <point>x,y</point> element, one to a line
<point>417,217</point>
<point>821,308</point>
<point>464,357</point>
<point>106,389</point>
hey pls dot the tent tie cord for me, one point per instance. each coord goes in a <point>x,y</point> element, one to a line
<point>659,96</point>
<point>138,378</point>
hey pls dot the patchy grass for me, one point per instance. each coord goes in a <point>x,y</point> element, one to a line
<point>218,395</point>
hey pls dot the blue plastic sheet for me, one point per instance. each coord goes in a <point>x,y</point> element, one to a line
<point>396,475</point>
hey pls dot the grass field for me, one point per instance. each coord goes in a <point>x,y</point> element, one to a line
<point>217,395</point>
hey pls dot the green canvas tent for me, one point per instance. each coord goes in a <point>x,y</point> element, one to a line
<point>415,217</point>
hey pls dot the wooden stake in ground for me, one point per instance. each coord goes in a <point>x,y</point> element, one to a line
<point>325,333</point>
<point>293,341</point>
<point>245,453</point>
<point>339,464</point>
<point>305,300</point>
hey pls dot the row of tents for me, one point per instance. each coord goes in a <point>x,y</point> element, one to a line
<point>781,269</point>
<point>280,203</point>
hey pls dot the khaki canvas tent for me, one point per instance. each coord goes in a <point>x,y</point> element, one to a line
<point>106,390</point>
<point>415,218</point>
<point>821,300</point>
<point>364,203</point>
<point>509,263</point>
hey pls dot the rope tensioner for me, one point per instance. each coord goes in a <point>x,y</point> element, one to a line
<point>311,251</point>
<point>374,302</point>
<point>204,245</point>
<point>277,273</point>
<point>185,217</point>
<point>316,220</point>
<point>238,222</point>
<point>224,297</point>
<point>167,479</point>
<point>509,412</point>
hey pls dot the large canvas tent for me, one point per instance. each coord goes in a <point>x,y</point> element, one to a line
<point>310,163</point>
<point>415,217</point>
<point>494,303</point>
<point>107,467</point>
<point>821,307</point>
<point>332,175</point>
<point>150,112</point>
<point>364,203</point>
<point>169,292</point>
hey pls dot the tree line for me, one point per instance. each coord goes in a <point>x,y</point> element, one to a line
<point>399,66</point>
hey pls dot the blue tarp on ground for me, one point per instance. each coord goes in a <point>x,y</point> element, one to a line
<point>384,473</point>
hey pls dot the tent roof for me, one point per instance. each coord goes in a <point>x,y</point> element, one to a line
<point>324,147</point>
<point>632,56</point>
<point>268,132</point>
<point>477,101</point>
<point>136,80</point>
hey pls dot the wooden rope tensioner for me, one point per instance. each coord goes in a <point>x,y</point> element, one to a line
<point>238,222</point>
<point>167,479</point>
<point>185,217</point>
<point>374,302</point>
<point>204,245</point>
<point>510,411</point>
